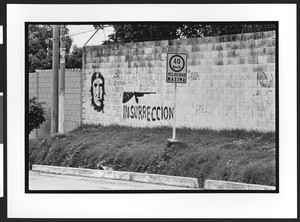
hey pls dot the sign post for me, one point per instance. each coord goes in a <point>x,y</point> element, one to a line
<point>176,73</point>
<point>174,124</point>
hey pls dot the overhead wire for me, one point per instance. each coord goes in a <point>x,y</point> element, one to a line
<point>91,36</point>
<point>79,33</point>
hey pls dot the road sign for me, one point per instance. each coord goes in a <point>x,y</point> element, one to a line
<point>176,73</point>
<point>176,68</point>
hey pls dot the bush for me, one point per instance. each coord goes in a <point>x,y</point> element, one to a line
<point>36,115</point>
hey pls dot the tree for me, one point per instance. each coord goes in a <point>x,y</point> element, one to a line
<point>36,115</point>
<point>138,32</point>
<point>40,46</point>
<point>74,60</point>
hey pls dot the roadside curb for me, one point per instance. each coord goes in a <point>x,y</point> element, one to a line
<point>120,175</point>
<point>227,185</point>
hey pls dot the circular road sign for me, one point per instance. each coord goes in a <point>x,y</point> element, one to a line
<point>176,63</point>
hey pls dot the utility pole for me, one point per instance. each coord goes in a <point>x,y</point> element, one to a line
<point>61,100</point>
<point>55,63</point>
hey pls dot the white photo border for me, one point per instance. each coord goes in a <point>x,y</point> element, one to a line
<point>181,205</point>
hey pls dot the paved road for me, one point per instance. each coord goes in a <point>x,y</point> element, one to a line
<point>44,181</point>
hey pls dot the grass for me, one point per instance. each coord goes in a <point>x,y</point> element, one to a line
<point>233,155</point>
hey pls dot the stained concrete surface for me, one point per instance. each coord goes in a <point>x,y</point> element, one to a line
<point>46,181</point>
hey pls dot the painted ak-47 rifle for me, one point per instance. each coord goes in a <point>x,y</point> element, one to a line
<point>128,95</point>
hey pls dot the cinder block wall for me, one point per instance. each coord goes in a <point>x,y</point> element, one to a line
<point>73,99</point>
<point>40,86</point>
<point>231,82</point>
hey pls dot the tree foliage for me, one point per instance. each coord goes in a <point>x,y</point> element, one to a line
<point>40,46</point>
<point>36,115</point>
<point>74,60</point>
<point>137,32</point>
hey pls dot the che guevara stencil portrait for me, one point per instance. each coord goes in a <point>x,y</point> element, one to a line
<point>97,91</point>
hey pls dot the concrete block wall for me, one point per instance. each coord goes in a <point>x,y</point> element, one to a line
<point>40,86</point>
<point>33,91</point>
<point>231,82</point>
<point>73,99</point>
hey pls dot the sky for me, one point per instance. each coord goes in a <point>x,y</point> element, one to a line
<point>79,38</point>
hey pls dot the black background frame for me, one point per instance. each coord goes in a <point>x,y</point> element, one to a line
<point>3,85</point>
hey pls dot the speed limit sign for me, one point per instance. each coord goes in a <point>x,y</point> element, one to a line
<point>176,68</point>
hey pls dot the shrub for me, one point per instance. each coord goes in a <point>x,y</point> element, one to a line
<point>36,115</point>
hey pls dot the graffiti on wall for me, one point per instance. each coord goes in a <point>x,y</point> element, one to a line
<point>262,100</point>
<point>149,113</point>
<point>117,74</point>
<point>128,95</point>
<point>142,112</point>
<point>144,77</point>
<point>193,76</point>
<point>97,91</point>
<point>201,110</point>
<point>262,103</point>
<point>144,80</point>
<point>264,80</point>
<point>116,96</point>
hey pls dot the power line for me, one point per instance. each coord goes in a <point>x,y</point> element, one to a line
<point>91,36</point>
<point>79,33</point>
<point>82,32</point>
<point>90,30</point>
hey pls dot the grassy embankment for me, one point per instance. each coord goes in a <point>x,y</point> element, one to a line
<point>233,155</point>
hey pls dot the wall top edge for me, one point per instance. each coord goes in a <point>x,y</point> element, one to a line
<point>188,41</point>
<point>50,70</point>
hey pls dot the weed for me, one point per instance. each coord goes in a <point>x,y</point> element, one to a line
<point>234,155</point>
